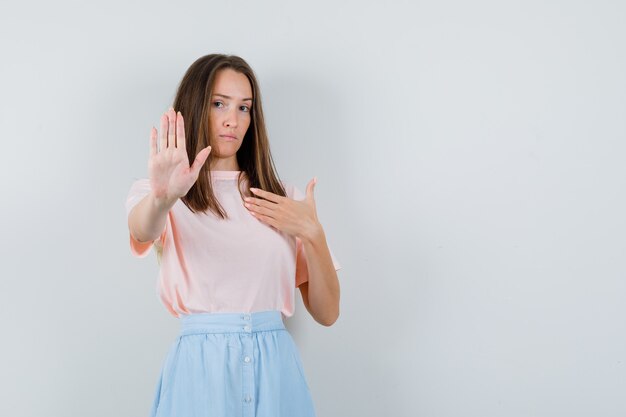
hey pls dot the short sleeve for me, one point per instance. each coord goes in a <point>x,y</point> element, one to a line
<point>138,190</point>
<point>302,272</point>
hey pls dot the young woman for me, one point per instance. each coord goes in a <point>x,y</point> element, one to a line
<point>233,242</point>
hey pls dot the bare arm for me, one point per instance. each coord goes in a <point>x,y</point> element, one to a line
<point>146,220</point>
<point>171,177</point>
<point>322,290</point>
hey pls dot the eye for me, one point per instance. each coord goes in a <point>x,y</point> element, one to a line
<point>247,109</point>
<point>217,102</point>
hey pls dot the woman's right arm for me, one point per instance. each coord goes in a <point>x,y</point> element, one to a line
<point>171,177</point>
<point>146,219</point>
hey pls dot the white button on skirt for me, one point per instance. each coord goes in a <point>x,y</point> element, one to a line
<point>233,365</point>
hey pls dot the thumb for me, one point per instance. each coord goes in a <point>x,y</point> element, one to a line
<point>201,158</point>
<point>310,187</point>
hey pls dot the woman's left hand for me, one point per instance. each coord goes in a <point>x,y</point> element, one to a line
<point>297,218</point>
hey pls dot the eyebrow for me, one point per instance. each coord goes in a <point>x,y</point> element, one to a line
<point>228,97</point>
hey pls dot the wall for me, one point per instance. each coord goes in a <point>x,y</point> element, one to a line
<point>470,171</point>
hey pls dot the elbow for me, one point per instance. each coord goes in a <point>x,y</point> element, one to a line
<point>330,320</point>
<point>328,323</point>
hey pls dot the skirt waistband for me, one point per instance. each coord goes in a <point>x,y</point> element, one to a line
<point>231,322</point>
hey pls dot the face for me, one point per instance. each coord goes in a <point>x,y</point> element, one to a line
<point>231,104</point>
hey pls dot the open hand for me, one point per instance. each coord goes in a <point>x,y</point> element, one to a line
<point>171,177</point>
<point>294,217</point>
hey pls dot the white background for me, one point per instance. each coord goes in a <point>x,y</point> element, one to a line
<point>470,164</point>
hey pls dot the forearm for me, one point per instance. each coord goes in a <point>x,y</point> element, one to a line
<point>146,220</point>
<point>323,284</point>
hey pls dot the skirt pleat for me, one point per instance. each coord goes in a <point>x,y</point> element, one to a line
<point>233,365</point>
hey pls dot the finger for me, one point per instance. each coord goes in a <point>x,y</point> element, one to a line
<point>153,141</point>
<point>171,129</point>
<point>266,195</point>
<point>269,212</point>
<point>265,219</point>
<point>201,158</point>
<point>310,187</point>
<point>163,143</point>
<point>258,202</point>
<point>259,210</point>
<point>180,131</point>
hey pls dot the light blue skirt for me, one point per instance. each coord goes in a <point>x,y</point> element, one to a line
<point>233,365</point>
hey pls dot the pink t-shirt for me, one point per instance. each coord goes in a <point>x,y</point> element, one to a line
<point>210,264</point>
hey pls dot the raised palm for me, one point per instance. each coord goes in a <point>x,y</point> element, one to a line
<point>171,177</point>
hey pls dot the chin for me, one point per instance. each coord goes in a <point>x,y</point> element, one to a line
<point>225,153</point>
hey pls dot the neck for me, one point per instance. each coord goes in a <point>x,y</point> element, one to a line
<point>229,164</point>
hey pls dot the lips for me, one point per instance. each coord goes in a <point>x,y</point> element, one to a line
<point>228,137</point>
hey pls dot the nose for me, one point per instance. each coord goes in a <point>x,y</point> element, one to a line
<point>231,119</point>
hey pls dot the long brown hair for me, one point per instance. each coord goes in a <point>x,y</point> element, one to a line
<point>193,100</point>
